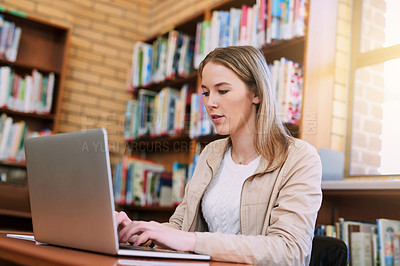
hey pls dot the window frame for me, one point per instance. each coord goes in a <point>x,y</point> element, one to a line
<point>359,60</point>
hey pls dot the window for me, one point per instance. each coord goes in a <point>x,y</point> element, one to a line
<point>373,132</point>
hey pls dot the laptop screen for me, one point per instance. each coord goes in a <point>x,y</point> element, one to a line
<point>70,189</point>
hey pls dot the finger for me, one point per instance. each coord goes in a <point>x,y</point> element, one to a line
<point>142,238</point>
<point>126,222</point>
<point>127,232</point>
<point>134,228</point>
<point>132,239</point>
<point>122,218</point>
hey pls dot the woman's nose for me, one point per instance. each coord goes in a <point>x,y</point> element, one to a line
<point>212,101</point>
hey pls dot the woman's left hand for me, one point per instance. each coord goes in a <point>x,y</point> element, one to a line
<point>140,232</point>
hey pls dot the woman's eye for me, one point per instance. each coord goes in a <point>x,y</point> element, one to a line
<point>206,93</point>
<point>222,91</point>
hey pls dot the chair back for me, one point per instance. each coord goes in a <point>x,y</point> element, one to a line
<point>327,251</point>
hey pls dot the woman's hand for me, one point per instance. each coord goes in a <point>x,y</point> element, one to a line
<point>122,220</point>
<point>139,232</point>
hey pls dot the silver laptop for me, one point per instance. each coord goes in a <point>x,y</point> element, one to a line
<point>70,190</point>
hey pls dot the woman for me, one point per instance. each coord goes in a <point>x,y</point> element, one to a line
<point>254,196</point>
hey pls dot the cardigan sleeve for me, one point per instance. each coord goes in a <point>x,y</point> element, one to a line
<point>290,226</point>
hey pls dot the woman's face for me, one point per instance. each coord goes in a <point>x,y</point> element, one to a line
<point>229,103</point>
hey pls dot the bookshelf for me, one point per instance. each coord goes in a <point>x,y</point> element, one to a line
<point>365,200</point>
<point>314,51</point>
<point>43,47</point>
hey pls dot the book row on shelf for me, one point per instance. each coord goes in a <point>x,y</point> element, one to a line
<point>15,176</point>
<point>141,182</point>
<point>369,243</point>
<point>166,58</point>
<point>10,36</point>
<point>157,113</point>
<point>171,111</point>
<point>26,93</point>
<point>287,83</point>
<point>176,54</point>
<point>12,138</point>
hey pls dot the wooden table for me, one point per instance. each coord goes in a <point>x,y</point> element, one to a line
<point>26,252</point>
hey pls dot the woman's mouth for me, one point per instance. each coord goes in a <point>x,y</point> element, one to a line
<point>216,118</point>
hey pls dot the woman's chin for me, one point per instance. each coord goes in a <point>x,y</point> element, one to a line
<point>222,131</point>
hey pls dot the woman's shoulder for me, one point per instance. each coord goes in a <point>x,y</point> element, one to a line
<point>301,149</point>
<point>301,145</point>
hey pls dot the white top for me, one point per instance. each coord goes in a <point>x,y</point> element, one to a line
<point>221,201</point>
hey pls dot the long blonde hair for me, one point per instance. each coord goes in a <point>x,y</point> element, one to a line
<point>271,139</point>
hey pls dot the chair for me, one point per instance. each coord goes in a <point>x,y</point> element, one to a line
<point>327,251</point>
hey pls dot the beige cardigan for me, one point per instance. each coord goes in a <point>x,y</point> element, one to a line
<point>278,210</point>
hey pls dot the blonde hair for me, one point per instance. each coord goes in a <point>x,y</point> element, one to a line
<point>271,139</point>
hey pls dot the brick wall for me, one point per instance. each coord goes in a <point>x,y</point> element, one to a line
<point>102,36</point>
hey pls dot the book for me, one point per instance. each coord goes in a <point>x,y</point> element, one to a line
<point>375,249</point>
<point>146,106</point>
<point>234,26</point>
<point>347,227</point>
<point>49,93</point>
<point>386,228</point>
<point>12,51</point>
<point>243,26</point>
<point>151,180</point>
<point>6,27</point>
<point>5,135</point>
<point>164,189</point>
<point>128,119</point>
<point>179,179</point>
<point>194,115</point>
<point>173,37</point>
<point>117,182</point>
<point>361,249</point>
<point>396,249</point>
<point>131,121</point>
<point>276,14</point>
<point>215,29</point>
<point>5,73</point>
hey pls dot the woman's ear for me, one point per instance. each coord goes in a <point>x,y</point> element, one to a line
<point>256,100</point>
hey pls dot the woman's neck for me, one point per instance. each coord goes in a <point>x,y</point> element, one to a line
<point>243,150</point>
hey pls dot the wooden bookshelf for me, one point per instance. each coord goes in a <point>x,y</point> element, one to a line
<point>300,49</point>
<point>174,82</point>
<point>365,200</point>
<point>43,46</point>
